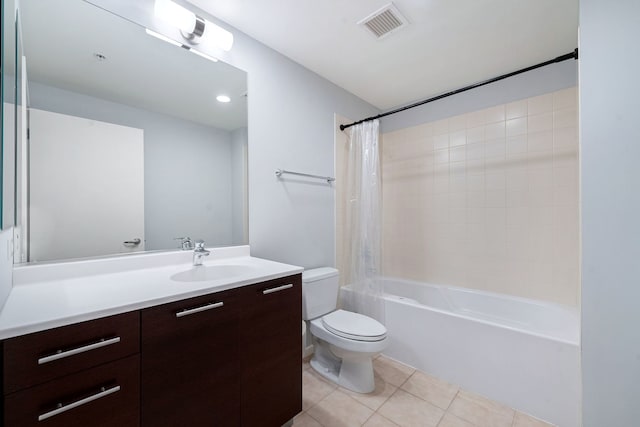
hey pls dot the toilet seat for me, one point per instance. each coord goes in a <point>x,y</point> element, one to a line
<point>354,326</point>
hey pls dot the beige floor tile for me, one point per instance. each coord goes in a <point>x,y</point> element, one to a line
<point>407,410</point>
<point>450,420</point>
<point>377,397</point>
<point>314,388</point>
<point>524,420</point>
<point>395,373</point>
<point>340,410</point>
<point>481,411</point>
<point>304,420</point>
<point>431,389</point>
<point>378,420</point>
<point>305,365</point>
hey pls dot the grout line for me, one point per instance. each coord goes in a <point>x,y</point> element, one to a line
<point>454,398</point>
<point>318,421</point>
<point>368,418</point>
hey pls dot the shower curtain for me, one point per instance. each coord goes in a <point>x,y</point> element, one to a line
<point>363,194</point>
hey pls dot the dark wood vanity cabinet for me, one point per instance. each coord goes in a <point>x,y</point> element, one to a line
<point>86,374</point>
<point>271,352</point>
<point>190,362</point>
<point>230,358</point>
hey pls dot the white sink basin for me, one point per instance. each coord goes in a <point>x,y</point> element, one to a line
<point>211,272</point>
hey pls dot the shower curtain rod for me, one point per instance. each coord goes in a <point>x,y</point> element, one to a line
<point>572,55</point>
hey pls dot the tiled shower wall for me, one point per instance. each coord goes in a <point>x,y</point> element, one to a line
<point>487,200</point>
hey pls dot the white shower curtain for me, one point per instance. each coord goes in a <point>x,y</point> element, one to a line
<point>363,194</point>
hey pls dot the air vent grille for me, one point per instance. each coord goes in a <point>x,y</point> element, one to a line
<point>384,21</point>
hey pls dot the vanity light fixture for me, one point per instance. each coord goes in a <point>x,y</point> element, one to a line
<point>204,55</point>
<point>162,37</point>
<point>175,43</point>
<point>192,27</point>
<point>223,98</point>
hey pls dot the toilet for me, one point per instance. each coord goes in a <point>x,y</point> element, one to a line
<point>344,342</point>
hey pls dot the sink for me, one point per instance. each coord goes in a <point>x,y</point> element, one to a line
<point>210,272</point>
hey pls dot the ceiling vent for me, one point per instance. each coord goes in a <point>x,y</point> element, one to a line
<point>384,21</point>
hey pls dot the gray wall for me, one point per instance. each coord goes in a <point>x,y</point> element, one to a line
<point>291,113</point>
<point>187,173</point>
<point>610,155</point>
<point>532,83</point>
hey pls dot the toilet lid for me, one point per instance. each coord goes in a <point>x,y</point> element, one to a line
<point>354,326</point>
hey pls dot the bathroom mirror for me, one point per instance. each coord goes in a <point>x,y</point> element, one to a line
<point>8,91</point>
<point>129,149</point>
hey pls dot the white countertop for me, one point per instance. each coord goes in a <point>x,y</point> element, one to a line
<point>53,295</point>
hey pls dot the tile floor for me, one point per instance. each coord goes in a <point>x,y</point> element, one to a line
<point>403,397</point>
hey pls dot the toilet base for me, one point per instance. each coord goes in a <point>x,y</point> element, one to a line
<point>350,370</point>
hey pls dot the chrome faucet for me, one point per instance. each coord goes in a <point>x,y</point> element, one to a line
<point>199,252</point>
<point>185,243</point>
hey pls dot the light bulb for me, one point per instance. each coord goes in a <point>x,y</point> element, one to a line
<point>175,15</point>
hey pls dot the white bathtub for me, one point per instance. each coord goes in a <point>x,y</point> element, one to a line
<point>523,353</point>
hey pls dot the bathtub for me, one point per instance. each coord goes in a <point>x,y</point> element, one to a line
<point>523,353</point>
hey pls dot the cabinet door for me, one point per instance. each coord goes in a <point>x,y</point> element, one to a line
<point>271,343</point>
<point>190,364</point>
<point>104,396</point>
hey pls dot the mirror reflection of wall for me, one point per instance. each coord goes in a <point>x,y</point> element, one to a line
<point>8,113</point>
<point>99,71</point>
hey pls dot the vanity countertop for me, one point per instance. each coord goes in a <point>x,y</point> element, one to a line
<point>53,295</point>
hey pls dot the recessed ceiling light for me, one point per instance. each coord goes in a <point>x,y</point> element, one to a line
<point>223,98</point>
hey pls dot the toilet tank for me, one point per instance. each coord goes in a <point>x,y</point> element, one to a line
<point>319,292</point>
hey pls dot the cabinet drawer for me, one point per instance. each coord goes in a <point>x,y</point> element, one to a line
<point>106,395</point>
<point>42,356</point>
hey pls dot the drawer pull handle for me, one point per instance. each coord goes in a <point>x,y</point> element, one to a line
<point>189,311</point>
<point>62,354</point>
<point>64,408</point>
<point>278,289</point>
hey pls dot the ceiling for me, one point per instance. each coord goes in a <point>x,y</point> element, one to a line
<point>448,43</point>
<point>60,39</point>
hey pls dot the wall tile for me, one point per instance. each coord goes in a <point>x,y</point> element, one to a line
<point>494,114</point>
<point>541,141</point>
<point>540,122</point>
<point>457,123</point>
<point>495,149</point>
<point>458,138</point>
<point>441,127</point>
<point>457,154</point>
<point>494,130</point>
<point>487,200</point>
<point>540,104</point>
<point>567,117</point>
<point>475,134</point>
<point>516,144</point>
<point>516,126</point>
<point>516,109</point>
<point>475,118</point>
<point>566,98</point>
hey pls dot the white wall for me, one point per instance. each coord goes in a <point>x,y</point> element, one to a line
<point>610,155</point>
<point>291,126</point>
<point>187,172</point>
